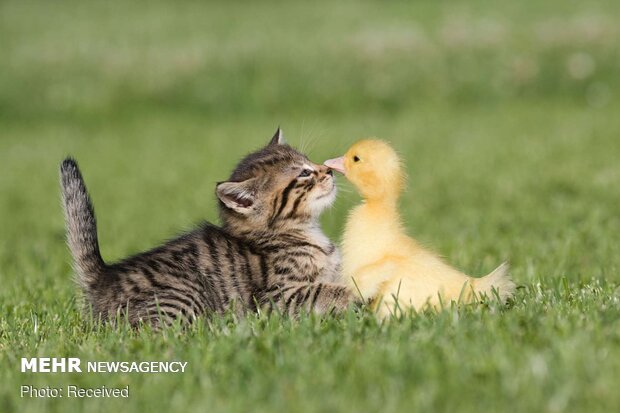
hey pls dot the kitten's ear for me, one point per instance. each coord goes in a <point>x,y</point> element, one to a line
<point>238,196</point>
<point>278,138</point>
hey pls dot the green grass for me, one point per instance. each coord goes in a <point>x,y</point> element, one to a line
<point>506,115</point>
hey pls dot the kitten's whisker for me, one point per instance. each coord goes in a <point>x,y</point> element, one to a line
<point>311,143</point>
<point>310,137</point>
<point>303,137</point>
<point>345,188</point>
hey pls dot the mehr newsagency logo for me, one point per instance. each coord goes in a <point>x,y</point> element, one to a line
<point>75,365</point>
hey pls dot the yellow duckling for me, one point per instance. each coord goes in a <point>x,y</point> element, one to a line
<point>380,261</point>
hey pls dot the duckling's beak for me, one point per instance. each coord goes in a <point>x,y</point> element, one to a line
<point>337,164</point>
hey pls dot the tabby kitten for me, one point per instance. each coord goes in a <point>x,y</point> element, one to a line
<point>270,251</point>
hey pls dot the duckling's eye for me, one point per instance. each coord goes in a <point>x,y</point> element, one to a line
<point>356,158</point>
<point>305,173</point>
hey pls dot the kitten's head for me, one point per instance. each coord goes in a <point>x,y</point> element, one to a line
<point>275,186</point>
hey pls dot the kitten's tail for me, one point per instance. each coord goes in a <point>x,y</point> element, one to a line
<point>81,225</point>
<point>498,280</point>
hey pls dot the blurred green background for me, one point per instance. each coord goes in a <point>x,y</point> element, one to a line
<point>506,114</point>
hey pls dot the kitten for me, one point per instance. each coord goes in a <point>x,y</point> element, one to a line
<point>270,251</point>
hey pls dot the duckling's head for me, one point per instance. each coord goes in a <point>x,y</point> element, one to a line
<point>374,167</point>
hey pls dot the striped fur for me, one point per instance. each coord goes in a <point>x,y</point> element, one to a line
<point>269,253</point>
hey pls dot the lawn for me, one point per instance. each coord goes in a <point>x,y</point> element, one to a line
<point>506,115</point>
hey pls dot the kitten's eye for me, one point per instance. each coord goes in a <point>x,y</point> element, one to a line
<point>305,173</point>
<point>356,158</point>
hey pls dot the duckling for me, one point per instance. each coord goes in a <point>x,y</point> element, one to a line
<point>379,260</point>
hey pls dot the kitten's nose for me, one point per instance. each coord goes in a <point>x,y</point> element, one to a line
<point>323,170</point>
